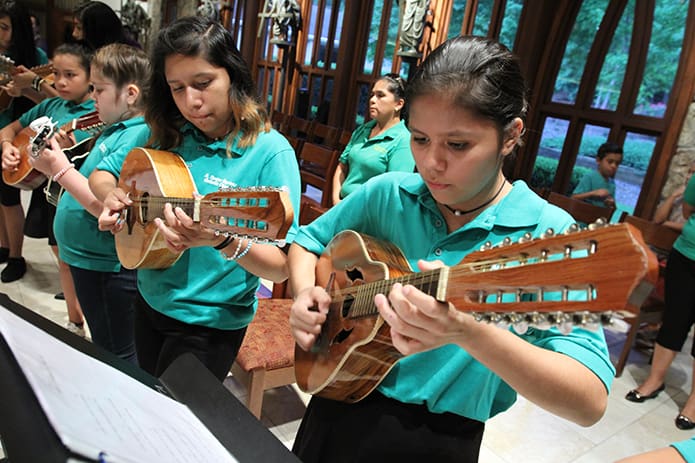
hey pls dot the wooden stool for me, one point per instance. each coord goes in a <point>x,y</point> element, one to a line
<point>266,357</point>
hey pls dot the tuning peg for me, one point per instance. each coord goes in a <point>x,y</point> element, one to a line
<point>573,228</point>
<point>486,246</point>
<point>598,223</point>
<point>525,238</point>
<point>506,241</point>
<point>548,233</point>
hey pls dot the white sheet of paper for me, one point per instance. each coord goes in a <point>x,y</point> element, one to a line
<point>98,411</point>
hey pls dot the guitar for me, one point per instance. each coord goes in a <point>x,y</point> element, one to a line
<point>33,139</point>
<point>610,267</point>
<point>153,177</point>
<point>76,154</point>
<point>8,70</point>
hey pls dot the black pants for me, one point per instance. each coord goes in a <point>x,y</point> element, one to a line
<point>679,296</point>
<point>159,340</point>
<point>380,429</point>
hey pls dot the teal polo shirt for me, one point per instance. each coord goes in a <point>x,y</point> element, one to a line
<point>80,243</point>
<point>685,244</point>
<point>591,181</point>
<point>687,449</point>
<point>6,116</point>
<point>368,157</point>
<point>202,288</point>
<point>399,208</point>
<point>61,111</point>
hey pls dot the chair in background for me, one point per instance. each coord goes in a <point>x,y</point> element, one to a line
<point>580,210</point>
<point>317,165</point>
<point>266,357</point>
<point>344,139</point>
<point>278,120</point>
<point>660,238</point>
<point>323,134</point>
<point>297,127</point>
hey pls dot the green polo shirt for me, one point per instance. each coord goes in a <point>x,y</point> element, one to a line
<point>203,288</point>
<point>591,181</point>
<point>61,111</point>
<point>399,208</point>
<point>6,116</point>
<point>687,449</point>
<point>368,157</point>
<point>685,244</point>
<point>80,242</point>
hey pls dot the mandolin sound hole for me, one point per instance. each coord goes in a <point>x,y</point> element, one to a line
<point>342,336</point>
<point>144,207</point>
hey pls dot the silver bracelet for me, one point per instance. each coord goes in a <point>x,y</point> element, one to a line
<point>234,256</point>
<point>245,251</point>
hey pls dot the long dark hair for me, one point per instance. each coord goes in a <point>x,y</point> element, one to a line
<point>202,37</point>
<point>22,47</point>
<point>100,25</point>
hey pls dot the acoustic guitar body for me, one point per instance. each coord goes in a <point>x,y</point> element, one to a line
<point>352,356</point>
<point>25,177</point>
<point>148,172</point>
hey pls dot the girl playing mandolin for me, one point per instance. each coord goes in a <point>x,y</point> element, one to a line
<point>71,68</point>
<point>203,106</point>
<point>106,290</point>
<point>467,106</point>
<point>17,44</point>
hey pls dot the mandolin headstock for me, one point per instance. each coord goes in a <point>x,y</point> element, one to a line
<point>263,214</point>
<point>573,278</point>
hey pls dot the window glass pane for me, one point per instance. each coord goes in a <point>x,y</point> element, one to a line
<point>315,95</point>
<point>549,150</point>
<point>637,153</point>
<point>456,21</point>
<point>577,49</point>
<point>310,26</point>
<point>271,80</point>
<point>368,65</point>
<point>390,48</point>
<point>261,77</point>
<point>324,46</point>
<point>362,103</point>
<point>325,105</point>
<point>482,17</point>
<point>610,80</point>
<point>593,137</point>
<point>338,32</point>
<point>510,23</point>
<point>662,57</point>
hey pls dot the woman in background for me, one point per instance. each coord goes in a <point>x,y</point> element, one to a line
<point>378,146</point>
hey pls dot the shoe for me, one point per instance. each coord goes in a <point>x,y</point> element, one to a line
<point>635,396</point>
<point>76,329</point>
<point>4,255</point>
<point>60,296</point>
<point>685,423</point>
<point>16,268</point>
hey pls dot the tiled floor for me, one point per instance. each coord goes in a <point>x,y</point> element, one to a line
<point>525,433</point>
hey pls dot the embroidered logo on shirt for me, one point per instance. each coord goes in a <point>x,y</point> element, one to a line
<point>218,182</point>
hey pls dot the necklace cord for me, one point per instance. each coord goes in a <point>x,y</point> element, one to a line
<point>459,212</point>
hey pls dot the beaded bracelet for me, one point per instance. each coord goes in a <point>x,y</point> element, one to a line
<point>224,243</point>
<point>62,172</point>
<point>36,83</point>
<point>245,251</point>
<point>234,256</point>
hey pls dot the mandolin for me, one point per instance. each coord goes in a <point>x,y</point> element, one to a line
<point>532,283</point>
<point>33,138</point>
<point>8,69</point>
<point>153,178</point>
<point>76,154</point>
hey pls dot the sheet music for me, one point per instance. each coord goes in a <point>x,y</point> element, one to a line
<point>102,413</point>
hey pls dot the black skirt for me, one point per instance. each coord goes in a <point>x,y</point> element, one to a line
<point>382,429</point>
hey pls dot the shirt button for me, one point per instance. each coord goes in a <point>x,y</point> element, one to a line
<point>437,223</point>
<point>438,252</point>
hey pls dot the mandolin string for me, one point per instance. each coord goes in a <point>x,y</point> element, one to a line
<point>427,282</point>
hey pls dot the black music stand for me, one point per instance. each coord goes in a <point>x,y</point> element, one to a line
<point>28,436</point>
